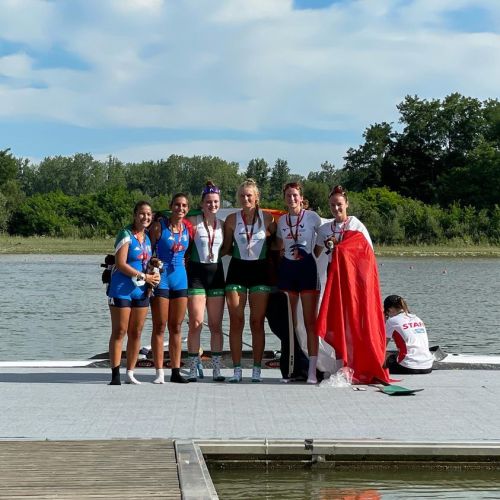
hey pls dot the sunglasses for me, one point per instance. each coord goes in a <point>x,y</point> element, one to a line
<point>210,189</point>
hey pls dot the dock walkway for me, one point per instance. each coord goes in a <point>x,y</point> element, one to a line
<point>77,404</point>
<point>64,433</point>
<point>132,469</point>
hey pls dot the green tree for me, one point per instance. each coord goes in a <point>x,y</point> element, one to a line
<point>8,167</point>
<point>280,175</point>
<point>328,175</point>
<point>258,169</point>
<point>78,174</point>
<point>364,166</point>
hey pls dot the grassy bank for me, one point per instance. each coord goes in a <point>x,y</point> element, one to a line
<point>47,245</point>
<point>452,250</point>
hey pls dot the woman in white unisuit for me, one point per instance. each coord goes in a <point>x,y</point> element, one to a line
<point>410,336</point>
<point>246,235</point>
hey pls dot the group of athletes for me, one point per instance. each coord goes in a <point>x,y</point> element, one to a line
<point>192,279</point>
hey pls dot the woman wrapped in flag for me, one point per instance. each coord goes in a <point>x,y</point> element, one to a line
<point>351,319</point>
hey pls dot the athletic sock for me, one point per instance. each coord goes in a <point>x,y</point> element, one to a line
<point>160,377</point>
<point>256,372</point>
<point>193,366</point>
<point>177,378</point>
<point>237,375</point>
<point>130,379</point>
<point>311,376</point>
<point>115,376</point>
<point>217,377</point>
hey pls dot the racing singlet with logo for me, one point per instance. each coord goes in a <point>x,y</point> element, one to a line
<point>138,256</point>
<point>172,246</point>
<point>207,244</point>
<point>298,233</point>
<point>250,237</point>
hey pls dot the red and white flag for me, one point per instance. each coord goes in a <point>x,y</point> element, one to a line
<point>351,318</point>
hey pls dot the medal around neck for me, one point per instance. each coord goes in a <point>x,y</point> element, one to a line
<point>138,281</point>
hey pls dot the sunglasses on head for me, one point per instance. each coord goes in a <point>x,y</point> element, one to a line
<point>210,189</point>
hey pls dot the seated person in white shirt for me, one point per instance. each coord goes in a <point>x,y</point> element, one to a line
<point>410,336</point>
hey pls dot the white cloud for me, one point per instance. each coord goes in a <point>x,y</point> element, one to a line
<point>244,65</point>
<point>15,66</point>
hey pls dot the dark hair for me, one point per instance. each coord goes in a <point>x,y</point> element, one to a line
<point>139,204</point>
<point>292,185</point>
<point>210,188</point>
<point>397,302</point>
<point>179,195</point>
<point>338,190</point>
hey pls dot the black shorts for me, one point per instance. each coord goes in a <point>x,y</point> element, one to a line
<point>206,279</point>
<point>248,275</point>
<point>299,276</point>
<point>169,294</point>
<point>114,302</point>
<point>393,366</point>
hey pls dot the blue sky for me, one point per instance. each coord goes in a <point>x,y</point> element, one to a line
<point>240,79</point>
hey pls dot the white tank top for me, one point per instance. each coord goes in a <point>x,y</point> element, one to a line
<point>207,245</point>
<point>250,239</point>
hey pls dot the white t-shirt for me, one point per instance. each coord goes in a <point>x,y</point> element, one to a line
<point>410,336</point>
<point>298,233</point>
<point>332,228</point>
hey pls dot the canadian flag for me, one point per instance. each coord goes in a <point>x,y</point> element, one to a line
<point>351,318</point>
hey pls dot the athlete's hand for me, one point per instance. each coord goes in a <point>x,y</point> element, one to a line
<point>153,279</point>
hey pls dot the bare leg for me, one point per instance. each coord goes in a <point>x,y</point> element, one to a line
<point>159,312</point>
<point>215,311</point>
<point>119,325</point>
<point>236,306</point>
<point>136,324</point>
<point>176,314</point>
<point>258,304</point>
<point>196,310</point>
<point>309,309</point>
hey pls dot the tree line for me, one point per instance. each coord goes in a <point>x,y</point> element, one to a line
<point>433,177</point>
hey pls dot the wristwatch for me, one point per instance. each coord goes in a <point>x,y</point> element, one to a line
<point>141,277</point>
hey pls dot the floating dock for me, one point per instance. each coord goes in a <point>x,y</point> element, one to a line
<point>454,419</point>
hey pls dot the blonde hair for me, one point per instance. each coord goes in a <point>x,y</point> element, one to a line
<point>250,183</point>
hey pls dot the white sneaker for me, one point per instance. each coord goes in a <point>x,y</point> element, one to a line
<point>256,376</point>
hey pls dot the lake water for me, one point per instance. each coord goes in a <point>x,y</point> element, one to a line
<point>54,307</point>
<point>305,484</point>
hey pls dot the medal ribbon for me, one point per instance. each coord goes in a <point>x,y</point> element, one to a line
<point>289,223</point>
<point>177,246</point>
<point>144,256</point>
<point>249,234</point>
<point>333,226</point>
<point>210,239</point>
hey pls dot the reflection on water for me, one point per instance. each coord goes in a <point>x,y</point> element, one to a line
<point>54,307</point>
<point>324,484</point>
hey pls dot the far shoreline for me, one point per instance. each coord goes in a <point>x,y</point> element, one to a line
<point>17,245</point>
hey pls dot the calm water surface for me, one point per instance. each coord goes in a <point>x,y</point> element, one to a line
<point>54,307</point>
<point>355,485</point>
